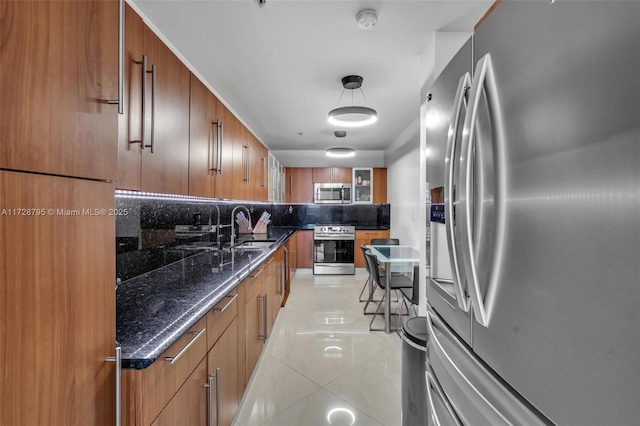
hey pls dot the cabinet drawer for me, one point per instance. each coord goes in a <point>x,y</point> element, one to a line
<point>163,379</point>
<point>368,235</point>
<point>255,280</point>
<point>219,318</point>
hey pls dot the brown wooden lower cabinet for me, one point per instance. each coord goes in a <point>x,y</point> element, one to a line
<point>188,407</point>
<point>57,301</point>
<point>255,317</point>
<point>222,363</point>
<point>364,237</point>
<point>209,379</point>
<point>304,249</point>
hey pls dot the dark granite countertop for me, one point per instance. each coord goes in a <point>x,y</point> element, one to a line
<point>154,309</point>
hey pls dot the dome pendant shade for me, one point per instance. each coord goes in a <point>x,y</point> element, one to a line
<point>341,152</point>
<point>352,116</point>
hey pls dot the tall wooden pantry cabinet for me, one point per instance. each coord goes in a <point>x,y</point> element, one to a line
<point>58,154</point>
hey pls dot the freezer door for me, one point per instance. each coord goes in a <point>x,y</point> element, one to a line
<point>562,328</point>
<point>476,395</point>
<point>438,406</point>
<point>446,110</point>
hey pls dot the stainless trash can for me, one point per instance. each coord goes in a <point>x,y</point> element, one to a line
<point>414,385</point>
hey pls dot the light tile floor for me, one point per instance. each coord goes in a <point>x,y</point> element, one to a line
<point>322,365</point>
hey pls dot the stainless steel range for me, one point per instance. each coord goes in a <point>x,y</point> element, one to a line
<point>334,250</point>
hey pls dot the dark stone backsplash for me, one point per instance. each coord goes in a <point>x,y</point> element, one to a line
<point>145,231</point>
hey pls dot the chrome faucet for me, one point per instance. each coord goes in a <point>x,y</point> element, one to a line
<point>233,221</point>
<point>217,225</point>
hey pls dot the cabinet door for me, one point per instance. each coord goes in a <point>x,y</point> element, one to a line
<point>254,332</point>
<point>299,185</point>
<point>321,174</point>
<point>59,62</point>
<point>203,143</point>
<point>130,121</point>
<point>364,237</point>
<point>304,250</point>
<point>293,257</point>
<point>379,185</point>
<point>57,301</point>
<point>223,362</point>
<point>260,170</point>
<point>166,169</point>
<point>188,407</point>
<point>341,174</point>
<point>224,179</point>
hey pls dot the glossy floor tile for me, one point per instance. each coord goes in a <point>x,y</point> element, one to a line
<point>322,365</point>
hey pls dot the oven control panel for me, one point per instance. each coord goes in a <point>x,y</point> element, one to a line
<point>334,232</point>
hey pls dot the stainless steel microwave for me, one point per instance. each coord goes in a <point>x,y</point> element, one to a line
<point>332,193</point>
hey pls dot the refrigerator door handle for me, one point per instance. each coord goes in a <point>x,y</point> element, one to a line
<point>484,79</point>
<point>449,194</point>
<point>434,386</point>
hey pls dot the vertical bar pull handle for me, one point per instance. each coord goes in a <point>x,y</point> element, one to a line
<point>143,90</point>
<point>264,318</point>
<point>118,408</point>
<point>218,396</point>
<point>209,386</point>
<point>220,147</point>
<point>120,100</point>
<point>153,106</point>
<point>212,146</point>
<point>450,194</point>
<point>484,79</point>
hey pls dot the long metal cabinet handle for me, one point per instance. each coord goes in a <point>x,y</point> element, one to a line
<point>143,91</point>
<point>209,386</point>
<point>264,172</point>
<point>264,318</point>
<point>120,100</point>
<point>234,297</point>
<point>152,145</point>
<point>484,77</point>
<point>118,408</point>
<point>256,275</point>
<point>249,164</point>
<point>216,375</point>
<point>212,147</point>
<point>449,193</point>
<point>173,359</point>
<point>220,141</point>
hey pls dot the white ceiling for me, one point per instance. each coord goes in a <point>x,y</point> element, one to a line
<point>279,67</point>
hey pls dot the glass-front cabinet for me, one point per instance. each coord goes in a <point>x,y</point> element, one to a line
<point>362,188</point>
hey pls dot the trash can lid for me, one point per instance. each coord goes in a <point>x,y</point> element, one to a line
<point>416,330</point>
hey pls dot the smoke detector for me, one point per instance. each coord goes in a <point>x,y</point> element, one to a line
<point>367,19</point>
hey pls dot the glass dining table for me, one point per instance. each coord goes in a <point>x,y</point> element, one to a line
<point>396,258</point>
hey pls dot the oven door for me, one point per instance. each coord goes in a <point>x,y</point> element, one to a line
<point>334,257</point>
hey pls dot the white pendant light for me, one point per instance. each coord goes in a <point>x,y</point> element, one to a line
<point>342,151</point>
<point>352,116</point>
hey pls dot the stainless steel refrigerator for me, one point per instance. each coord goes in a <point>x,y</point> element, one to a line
<point>533,136</point>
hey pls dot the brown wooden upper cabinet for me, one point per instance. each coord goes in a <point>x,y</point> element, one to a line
<point>332,174</point>
<point>228,128</point>
<point>298,185</point>
<point>260,170</point>
<point>204,138</point>
<point>59,63</point>
<point>153,148</point>
<point>379,185</point>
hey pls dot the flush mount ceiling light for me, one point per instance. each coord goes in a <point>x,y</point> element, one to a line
<point>340,152</point>
<point>352,116</point>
